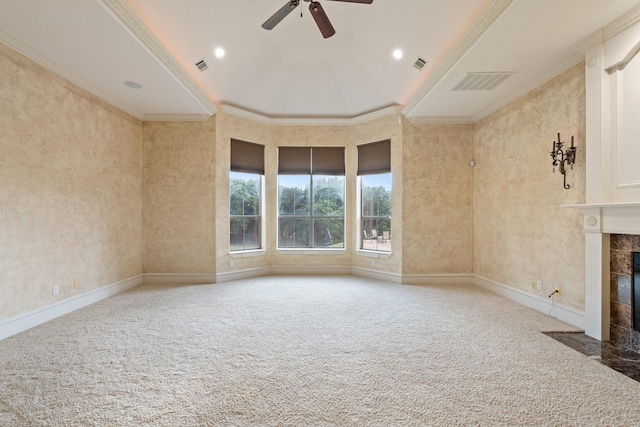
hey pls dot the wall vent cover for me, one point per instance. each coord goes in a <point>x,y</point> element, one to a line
<point>420,63</point>
<point>482,81</point>
<point>202,65</point>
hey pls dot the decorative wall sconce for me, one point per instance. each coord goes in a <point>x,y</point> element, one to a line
<point>562,158</point>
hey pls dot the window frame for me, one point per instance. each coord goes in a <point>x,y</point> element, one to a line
<point>259,216</point>
<point>247,159</point>
<point>374,159</point>
<point>310,216</point>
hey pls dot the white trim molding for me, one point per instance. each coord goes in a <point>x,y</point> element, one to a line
<point>310,121</point>
<point>49,312</point>
<point>250,273</point>
<point>438,279</point>
<point>179,279</point>
<point>561,312</point>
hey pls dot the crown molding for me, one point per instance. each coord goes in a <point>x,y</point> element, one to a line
<point>442,120</point>
<point>487,19</point>
<point>124,15</point>
<point>319,121</point>
<point>608,31</point>
<point>175,117</point>
<point>567,63</point>
<point>34,55</point>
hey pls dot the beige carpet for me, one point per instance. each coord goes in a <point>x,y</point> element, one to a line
<point>292,351</point>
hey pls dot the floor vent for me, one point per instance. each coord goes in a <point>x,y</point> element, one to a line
<point>420,63</point>
<point>202,65</point>
<point>482,81</point>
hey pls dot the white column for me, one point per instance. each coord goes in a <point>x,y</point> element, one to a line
<point>596,298</point>
<point>598,132</point>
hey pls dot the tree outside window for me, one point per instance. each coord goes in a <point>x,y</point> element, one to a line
<point>375,191</point>
<point>245,210</point>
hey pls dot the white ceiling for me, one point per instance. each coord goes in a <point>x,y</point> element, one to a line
<point>291,72</point>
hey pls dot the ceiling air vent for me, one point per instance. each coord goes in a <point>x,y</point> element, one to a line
<point>202,65</point>
<point>420,63</point>
<point>482,81</point>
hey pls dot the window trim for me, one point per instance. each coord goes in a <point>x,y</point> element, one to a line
<point>373,253</point>
<point>262,217</point>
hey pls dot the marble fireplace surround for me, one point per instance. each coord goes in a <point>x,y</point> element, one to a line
<point>600,221</point>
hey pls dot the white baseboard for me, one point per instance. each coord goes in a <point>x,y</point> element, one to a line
<point>310,271</point>
<point>376,274</point>
<point>49,312</point>
<point>179,279</point>
<point>437,279</point>
<point>566,314</point>
<point>242,274</point>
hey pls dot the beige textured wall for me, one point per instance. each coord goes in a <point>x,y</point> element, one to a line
<point>179,184</point>
<point>70,188</point>
<point>521,233</point>
<point>438,199</point>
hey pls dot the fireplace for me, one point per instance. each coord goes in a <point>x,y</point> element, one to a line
<point>624,296</point>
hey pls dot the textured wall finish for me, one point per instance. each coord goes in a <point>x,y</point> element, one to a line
<point>179,197</point>
<point>70,189</point>
<point>438,199</point>
<point>520,232</point>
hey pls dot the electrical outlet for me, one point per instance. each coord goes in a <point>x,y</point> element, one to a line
<point>373,262</point>
<point>232,263</point>
<point>533,283</point>
<point>56,290</point>
<point>557,290</point>
<point>75,285</point>
<point>539,285</point>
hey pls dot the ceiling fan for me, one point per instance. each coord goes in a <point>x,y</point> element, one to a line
<point>316,10</point>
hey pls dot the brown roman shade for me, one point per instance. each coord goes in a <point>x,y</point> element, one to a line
<point>311,160</point>
<point>374,158</point>
<point>327,161</point>
<point>247,157</point>
<point>294,161</point>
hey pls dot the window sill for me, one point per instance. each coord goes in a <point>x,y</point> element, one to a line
<point>311,251</point>
<point>373,254</point>
<point>248,253</point>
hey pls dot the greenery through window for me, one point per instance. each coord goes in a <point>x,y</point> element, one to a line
<point>311,205</point>
<point>375,191</point>
<point>245,210</point>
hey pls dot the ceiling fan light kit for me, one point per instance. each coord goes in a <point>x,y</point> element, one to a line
<point>316,10</point>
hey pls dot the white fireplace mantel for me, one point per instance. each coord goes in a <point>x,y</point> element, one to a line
<point>600,221</point>
<point>610,218</point>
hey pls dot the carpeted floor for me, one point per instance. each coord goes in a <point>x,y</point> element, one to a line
<point>306,351</point>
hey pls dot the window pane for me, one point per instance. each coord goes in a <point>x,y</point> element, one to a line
<point>293,232</point>
<point>328,195</point>
<point>328,232</point>
<point>244,210</point>
<point>376,195</point>
<point>376,212</point>
<point>244,194</point>
<point>245,233</point>
<point>293,194</point>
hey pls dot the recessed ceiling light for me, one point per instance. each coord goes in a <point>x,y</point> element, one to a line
<point>397,53</point>
<point>219,52</point>
<point>133,85</point>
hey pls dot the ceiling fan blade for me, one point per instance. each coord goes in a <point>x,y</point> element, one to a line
<point>280,15</point>
<point>322,20</point>
<point>356,1</point>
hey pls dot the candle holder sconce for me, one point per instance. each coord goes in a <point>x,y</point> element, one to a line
<point>563,158</point>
